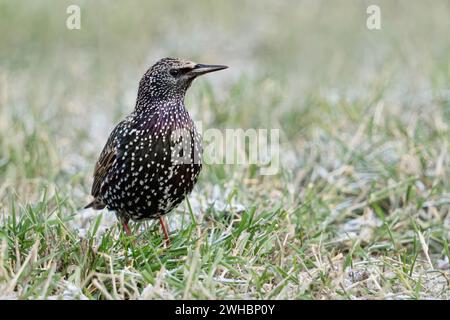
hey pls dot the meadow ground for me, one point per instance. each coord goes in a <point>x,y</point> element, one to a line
<point>358,210</point>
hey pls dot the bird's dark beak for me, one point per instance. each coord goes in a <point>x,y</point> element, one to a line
<point>200,69</point>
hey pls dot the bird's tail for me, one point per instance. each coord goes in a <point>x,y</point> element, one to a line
<point>97,204</point>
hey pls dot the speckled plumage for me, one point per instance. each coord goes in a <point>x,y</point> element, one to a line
<point>152,158</point>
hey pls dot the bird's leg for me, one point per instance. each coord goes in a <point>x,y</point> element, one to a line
<point>124,221</point>
<point>126,228</point>
<point>166,235</point>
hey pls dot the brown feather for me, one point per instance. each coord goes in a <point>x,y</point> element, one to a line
<point>106,160</point>
<point>104,163</point>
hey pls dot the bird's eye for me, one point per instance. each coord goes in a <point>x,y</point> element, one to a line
<point>174,72</point>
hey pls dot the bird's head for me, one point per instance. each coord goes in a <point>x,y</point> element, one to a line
<point>171,77</point>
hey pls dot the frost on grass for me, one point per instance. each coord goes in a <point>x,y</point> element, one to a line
<point>361,228</point>
<point>84,219</point>
<point>68,291</point>
<point>359,209</point>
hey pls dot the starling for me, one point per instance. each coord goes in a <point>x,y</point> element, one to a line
<point>152,158</point>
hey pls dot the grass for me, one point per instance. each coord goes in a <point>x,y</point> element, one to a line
<point>359,209</point>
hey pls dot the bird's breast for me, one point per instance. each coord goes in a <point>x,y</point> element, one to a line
<point>156,167</point>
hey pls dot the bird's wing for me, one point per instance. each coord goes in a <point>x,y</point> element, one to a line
<point>104,163</point>
<point>106,160</point>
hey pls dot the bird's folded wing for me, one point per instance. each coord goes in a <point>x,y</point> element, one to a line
<point>102,167</point>
<point>106,160</point>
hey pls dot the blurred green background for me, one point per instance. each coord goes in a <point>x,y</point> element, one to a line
<point>365,144</point>
<point>291,63</point>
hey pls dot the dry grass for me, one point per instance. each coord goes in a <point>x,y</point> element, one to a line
<point>360,207</point>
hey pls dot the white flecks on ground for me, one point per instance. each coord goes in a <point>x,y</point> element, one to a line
<point>361,228</point>
<point>7,294</point>
<point>217,200</point>
<point>442,264</point>
<point>69,292</point>
<point>157,290</point>
<point>84,220</point>
<point>200,203</point>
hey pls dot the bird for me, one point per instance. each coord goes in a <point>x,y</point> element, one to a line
<point>153,157</point>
